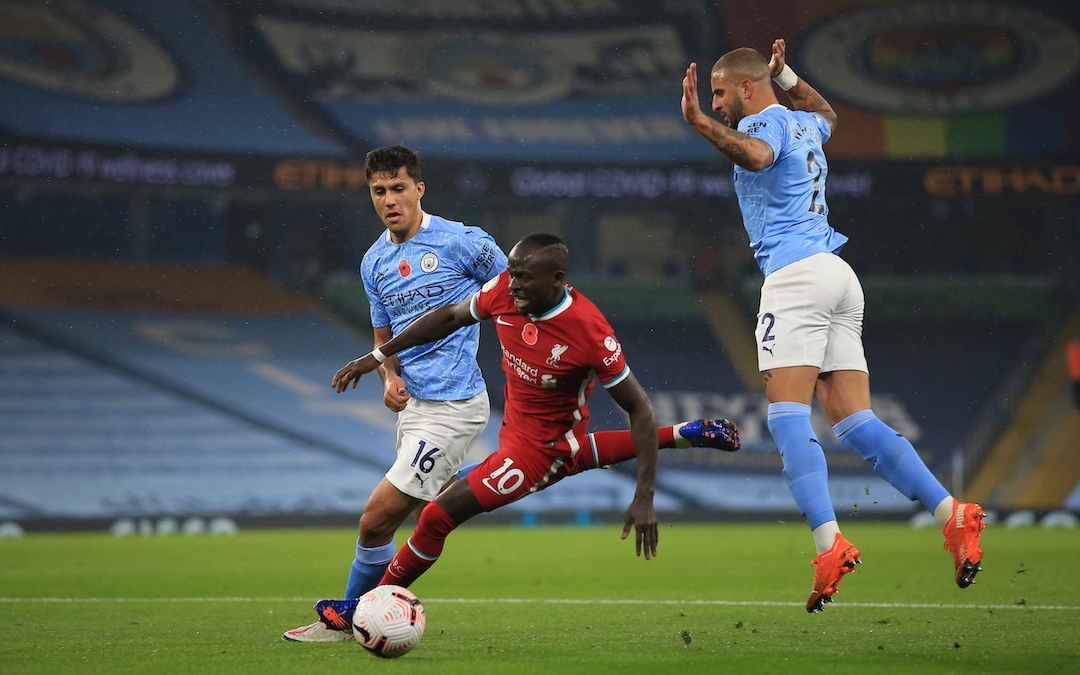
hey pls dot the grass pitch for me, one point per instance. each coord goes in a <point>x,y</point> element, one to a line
<point>719,598</point>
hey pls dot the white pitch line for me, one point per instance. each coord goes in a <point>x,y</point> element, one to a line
<point>568,601</point>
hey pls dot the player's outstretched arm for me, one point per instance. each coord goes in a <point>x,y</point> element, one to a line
<point>435,325</point>
<point>641,515</point>
<point>802,95</point>
<point>752,154</point>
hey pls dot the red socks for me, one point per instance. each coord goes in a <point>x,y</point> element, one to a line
<point>613,447</point>
<point>422,549</point>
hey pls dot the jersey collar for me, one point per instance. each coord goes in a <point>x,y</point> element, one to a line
<point>425,223</point>
<point>558,309</point>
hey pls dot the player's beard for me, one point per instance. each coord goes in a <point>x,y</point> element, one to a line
<point>738,111</point>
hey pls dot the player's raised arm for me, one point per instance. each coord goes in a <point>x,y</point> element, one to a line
<point>641,515</point>
<point>432,326</point>
<point>731,92</point>
<point>802,95</point>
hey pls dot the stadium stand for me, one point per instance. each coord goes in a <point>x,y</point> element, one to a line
<point>82,439</point>
<point>1033,465</point>
<point>140,75</point>
<point>169,138</point>
<point>208,394</point>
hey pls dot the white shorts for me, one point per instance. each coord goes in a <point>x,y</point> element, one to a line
<point>811,315</point>
<point>433,438</point>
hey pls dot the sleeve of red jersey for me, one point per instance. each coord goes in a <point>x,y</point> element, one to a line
<point>608,359</point>
<point>489,300</point>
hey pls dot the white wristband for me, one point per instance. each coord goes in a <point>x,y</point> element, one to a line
<point>787,78</point>
<point>379,356</point>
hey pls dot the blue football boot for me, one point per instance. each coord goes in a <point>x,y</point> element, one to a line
<point>336,614</point>
<point>720,434</point>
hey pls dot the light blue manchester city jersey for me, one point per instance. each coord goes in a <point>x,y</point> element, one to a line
<point>783,205</point>
<point>444,263</point>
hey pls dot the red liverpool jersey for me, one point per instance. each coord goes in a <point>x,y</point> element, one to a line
<point>550,361</point>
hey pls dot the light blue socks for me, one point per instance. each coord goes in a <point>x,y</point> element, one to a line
<point>805,470</point>
<point>368,568</point>
<point>892,456</point>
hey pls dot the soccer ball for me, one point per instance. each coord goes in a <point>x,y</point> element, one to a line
<point>389,621</point>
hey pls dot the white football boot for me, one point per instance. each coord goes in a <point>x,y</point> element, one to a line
<point>317,632</point>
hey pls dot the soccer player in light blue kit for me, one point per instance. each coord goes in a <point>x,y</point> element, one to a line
<point>809,325</point>
<point>420,263</point>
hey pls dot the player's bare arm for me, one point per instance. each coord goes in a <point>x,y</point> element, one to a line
<point>750,153</point>
<point>432,326</point>
<point>802,95</point>
<point>641,515</point>
<point>395,395</point>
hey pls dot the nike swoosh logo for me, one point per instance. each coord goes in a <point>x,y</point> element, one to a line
<point>489,485</point>
<point>499,320</point>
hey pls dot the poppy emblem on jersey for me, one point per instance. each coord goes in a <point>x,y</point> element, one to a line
<point>556,353</point>
<point>429,263</point>
<point>529,333</point>
<point>404,268</point>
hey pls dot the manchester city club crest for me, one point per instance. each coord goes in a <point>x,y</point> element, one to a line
<point>83,49</point>
<point>485,68</point>
<point>941,57</point>
<point>429,263</point>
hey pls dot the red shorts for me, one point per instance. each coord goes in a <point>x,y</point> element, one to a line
<point>517,469</point>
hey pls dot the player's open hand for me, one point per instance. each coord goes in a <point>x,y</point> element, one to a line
<point>642,517</point>
<point>779,55</point>
<point>352,372</point>
<point>691,107</point>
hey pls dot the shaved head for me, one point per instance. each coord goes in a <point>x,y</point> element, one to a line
<point>743,64</point>
<point>547,248</point>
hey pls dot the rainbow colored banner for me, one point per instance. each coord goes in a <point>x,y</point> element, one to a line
<point>927,80</point>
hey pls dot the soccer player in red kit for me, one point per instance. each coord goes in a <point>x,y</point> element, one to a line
<point>554,342</point>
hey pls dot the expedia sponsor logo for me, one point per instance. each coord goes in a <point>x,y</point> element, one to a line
<point>613,346</point>
<point>941,57</point>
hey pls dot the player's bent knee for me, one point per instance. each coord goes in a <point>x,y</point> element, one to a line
<point>459,502</point>
<point>377,524</point>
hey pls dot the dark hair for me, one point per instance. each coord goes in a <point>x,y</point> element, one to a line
<point>553,248</point>
<point>390,159</point>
